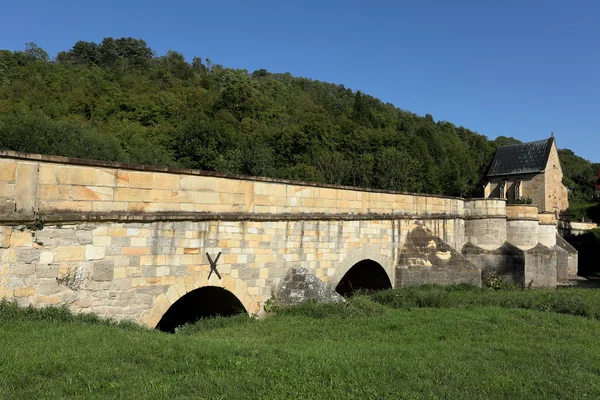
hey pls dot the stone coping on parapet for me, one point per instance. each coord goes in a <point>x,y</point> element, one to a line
<point>475,217</point>
<point>484,198</point>
<point>547,218</point>
<point>16,218</point>
<point>522,212</point>
<point>195,172</point>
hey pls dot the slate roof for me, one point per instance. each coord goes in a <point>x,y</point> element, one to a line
<point>524,158</point>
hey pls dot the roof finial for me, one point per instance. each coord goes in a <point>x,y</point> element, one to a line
<point>552,134</point>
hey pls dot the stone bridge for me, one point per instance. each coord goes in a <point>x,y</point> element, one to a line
<point>135,242</point>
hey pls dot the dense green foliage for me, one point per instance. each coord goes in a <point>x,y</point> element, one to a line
<point>580,176</point>
<point>116,100</point>
<point>451,343</point>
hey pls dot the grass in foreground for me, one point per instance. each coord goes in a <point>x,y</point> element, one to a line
<point>451,343</point>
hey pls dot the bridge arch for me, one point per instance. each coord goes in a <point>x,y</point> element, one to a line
<point>199,280</point>
<point>207,301</point>
<point>363,268</point>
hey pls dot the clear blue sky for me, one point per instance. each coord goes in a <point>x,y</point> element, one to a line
<point>519,68</point>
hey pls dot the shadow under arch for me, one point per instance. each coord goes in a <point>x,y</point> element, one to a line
<point>364,275</point>
<point>204,302</point>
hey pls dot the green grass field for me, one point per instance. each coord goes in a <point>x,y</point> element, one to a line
<point>421,343</point>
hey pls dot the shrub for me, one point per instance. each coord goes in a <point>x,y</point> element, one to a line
<point>524,200</point>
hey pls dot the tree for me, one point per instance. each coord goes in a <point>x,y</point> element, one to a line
<point>35,52</point>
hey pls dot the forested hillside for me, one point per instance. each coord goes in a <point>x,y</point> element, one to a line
<point>118,101</point>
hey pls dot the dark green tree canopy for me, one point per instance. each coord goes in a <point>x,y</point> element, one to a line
<point>118,100</point>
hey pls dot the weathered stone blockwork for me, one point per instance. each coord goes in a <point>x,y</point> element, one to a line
<point>135,270</point>
<point>128,241</point>
<point>49,188</point>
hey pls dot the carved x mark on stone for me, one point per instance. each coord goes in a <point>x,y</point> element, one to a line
<point>213,265</point>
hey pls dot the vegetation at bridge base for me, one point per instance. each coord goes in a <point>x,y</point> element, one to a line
<point>428,342</point>
<point>117,100</point>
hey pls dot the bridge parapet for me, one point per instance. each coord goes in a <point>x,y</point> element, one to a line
<point>55,186</point>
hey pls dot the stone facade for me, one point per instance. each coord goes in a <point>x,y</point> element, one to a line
<point>128,241</point>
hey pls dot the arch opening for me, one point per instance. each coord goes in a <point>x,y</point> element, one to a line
<point>364,275</point>
<point>205,302</point>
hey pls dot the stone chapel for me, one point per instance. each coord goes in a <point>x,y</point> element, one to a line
<point>528,170</point>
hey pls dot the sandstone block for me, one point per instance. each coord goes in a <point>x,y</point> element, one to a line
<point>45,271</point>
<point>202,183</point>
<point>109,206</point>
<point>94,253</point>
<point>166,181</point>
<point>24,292</point>
<point>120,273</point>
<point>128,194</point>
<point>91,193</point>
<point>70,253</point>
<point>123,178</point>
<point>21,239</point>
<point>138,241</point>
<point>27,255</point>
<point>71,175</point>
<point>8,170</point>
<point>67,206</point>
<point>180,196</point>
<point>84,237</point>
<point>4,241</point>
<point>101,241</point>
<point>46,300</point>
<point>22,268</point>
<point>157,207</point>
<point>103,271</point>
<point>141,180</point>
<point>8,255</point>
<point>264,273</point>
<point>156,195</point>
<point>105,177</point>
<point>119,236</point>
<point>26,187</point>
<point>135,251</point>
<point>7,190</point>
<point>48,287</point>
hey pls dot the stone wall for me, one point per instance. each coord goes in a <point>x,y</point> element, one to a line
<point>575,228</point>
<point>56,185</point>
<point>571,258</point>
<point>532,186</point>
<point>426,259</point>
<point>547,229</point>
<point>103,267</point>
<point>540,267</point>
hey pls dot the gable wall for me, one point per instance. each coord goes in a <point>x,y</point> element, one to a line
<point>556,195</point>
